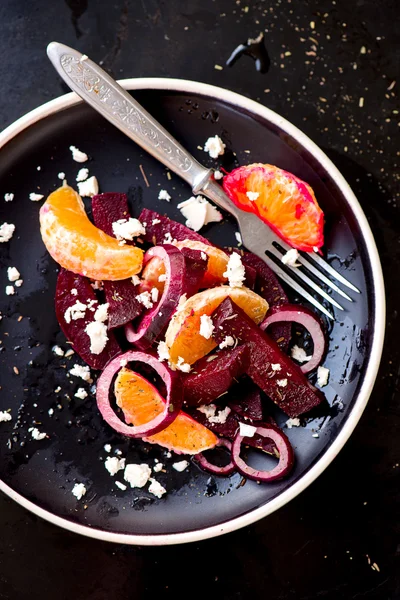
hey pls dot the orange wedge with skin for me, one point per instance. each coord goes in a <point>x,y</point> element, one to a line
<point>77,245</point>
<point>140,402</point>
<point>183,334</point>
<point>286,203</point>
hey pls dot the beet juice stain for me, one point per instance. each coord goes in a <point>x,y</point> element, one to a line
<point>255,48</point>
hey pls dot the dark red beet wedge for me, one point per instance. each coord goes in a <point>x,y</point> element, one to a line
<point>245,400</point>
<point>195,267</point>
<point>269,368</point>
<point>75,330</point>
<point>157,227</point>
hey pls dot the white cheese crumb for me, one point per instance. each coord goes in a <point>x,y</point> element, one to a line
<point>123,362</point>
<point>227,341</point>
<point>10,291</point>
<point>74,292</point>
<point>315,435</point>
<point>101,313</point>
<point>50,412</point>
<point>214,146</point>
<point>4,416</point>
<point>114,464</point>
<point>290,258</point>
<point>145,299</point>
<point>316,249</point>
<point>36,434</point>
<point>82,174</point>
<point>252,196</point>
<point>162,277</point>
<point>137,475</point>
<point>121,486</point>
<point>181,365</point>
<point>210,411</point>
<point>35,197</point>
<point>218,175</point>
<point>276,366</point>
<point>156,221</point>
<point>163,351</point>
<point>180,466</point>
<point>156,488</point>
<point>163,195</point>
<point>199,212</point>
<point>136,280</point>
<point>81,371</point>
<point>107,447</point>
<point>281,382</point>
<point>77,155</point>
<point>61,175</point>
<point>168,238</point>
<point>322,376</point>
<point>9,197</point>
<point>58,350</point>
<point>19,282</point>
<point>299,354</point>
<point>127,229</point>
<point>81,393</point>
<point>154,295</point>
<point>235,271</point>
<point>13,274</point>
<point>75,312</point>
<point>295,422</point>
<point>246,430</point>
<point>238,238</point>
<point>6,232</point>
<point>97,333</point>
<point>79,490</point>
<point>158,467</point>
<point>206,326</point>
<point>89,187</point>
<point>203,255</point>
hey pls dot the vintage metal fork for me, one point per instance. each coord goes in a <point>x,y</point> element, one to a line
<point>105,95</point>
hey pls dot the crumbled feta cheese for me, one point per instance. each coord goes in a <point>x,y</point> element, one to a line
<point>61,175</point>
<point>35,197</point>
<point>19,282</point>
<point>156,488</point>
<point>290,258</point>
<point>13,274</point>
<point>299,354</point>
<point>214,146</point>
<point>77,155</point>
<point>154,295</point>
<point>57,390</point>
<point>322,376</point>
<point>315,435</point>
<point>181,365</point>
<point>180,466</point>
<point>198,212</point>
<point>203,255</point>
<point>155,221</point>
<point>145,299</point>
<point>89,187</point>
<point>6,232</point>
<point>295,422</point>
<point>206,326</point>
<point>82,174</point>
<point>137,475</point>
<point>107,447</point>
<point>168,238</point>
<point>209,410</point>
<point>252,196</point>
<point>10,291</point>
<point>227,342</point>
<point>81,393</point>
<point>4,416</point>
<point>163,351</point>
<point>163,195</point>
<point>74,292</point>
<point>114,464</point>
<point>121,486</point>
<point>276,366</point>
<point>75,312</point>
<point>162,277</point>
<point>79,490</point>
<point>158,467</point>
<point>238,238</point>
<point>246,430</point>
<point>97,333</point>
<point>316,249</point>
<point>281,382</point>
<point>9,197</point>
<point>81,371</point>
<point>101,313</point>
<point>235,271</point>
<point>36,434</point>
<point>218,175</point>
<point>58,350</point>
<point>50,412</point>
<point>127,229</point>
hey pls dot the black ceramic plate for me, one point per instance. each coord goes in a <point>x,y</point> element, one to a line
<point>41,474</point>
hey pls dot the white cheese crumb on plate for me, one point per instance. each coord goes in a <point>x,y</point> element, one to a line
<point>6,232</point>
<point>79,490</point>
<point>78,155</point>
<point>35,197</point>
<point>89,187</point>
<point>4,416</point>
<point>235,271</point>
<point>163,195</point>
<point>214,146</point>
<point>13,274</point>
<point>322,376</point>
<point>181,465</point>
<point>156,488</point>
<point>137,475</point>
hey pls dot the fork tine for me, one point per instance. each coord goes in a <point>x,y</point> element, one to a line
<point>325,265</point>
<point>310,283</point>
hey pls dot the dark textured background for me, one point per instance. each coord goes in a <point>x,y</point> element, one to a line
<point>318,546</point>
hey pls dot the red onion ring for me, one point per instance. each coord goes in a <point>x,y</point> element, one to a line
<point>286,455</point>
<point>155,319</point>
<point>214,469</point>
<point>299,314</point>
<point>173,401</point>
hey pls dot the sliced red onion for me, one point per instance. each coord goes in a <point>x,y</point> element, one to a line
<point>155,319</point>
<point>173,400</point>
<point>303,316</point>
<point>286,455</point>
<point>214,469</point>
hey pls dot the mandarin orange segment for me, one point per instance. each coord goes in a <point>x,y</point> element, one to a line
<point>140,402</point>
<point>77,245</point>
<point>183,334</point>
<point>152,271</point>
<point>285,202</point>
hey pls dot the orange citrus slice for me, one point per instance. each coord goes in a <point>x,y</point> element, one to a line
<point>283,201</point>
<point>141,402</point>
<point>77,245</point>
<point>183,334</point>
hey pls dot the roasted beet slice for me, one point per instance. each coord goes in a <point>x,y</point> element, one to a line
<point>273,371</point>
<point>158,226</point>
<point>195,267</point>
<point>120,295</point>
<point>268,287</point>
<point>245,400</point>
<point>211,378</point>
<point>75,330</point>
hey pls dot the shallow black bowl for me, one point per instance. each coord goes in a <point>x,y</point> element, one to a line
<point>41,474</point>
